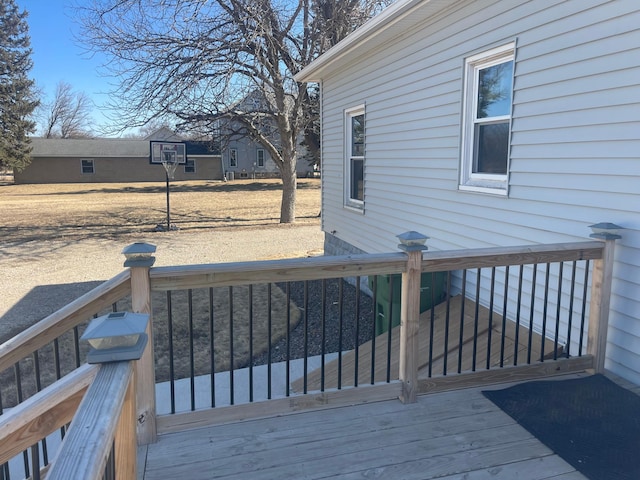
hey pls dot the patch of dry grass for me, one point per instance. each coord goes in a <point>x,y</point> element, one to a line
<point>82,211</point>
<point>111,210</point>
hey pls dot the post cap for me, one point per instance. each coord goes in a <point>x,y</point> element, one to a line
<point>139,254</point>
<point>412,241</point>
<point>605,231</point>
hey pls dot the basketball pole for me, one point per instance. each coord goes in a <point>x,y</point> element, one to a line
<point>168,214</point>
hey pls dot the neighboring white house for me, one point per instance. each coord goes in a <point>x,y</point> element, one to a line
<point>246,158</point>
<point>488,123</point>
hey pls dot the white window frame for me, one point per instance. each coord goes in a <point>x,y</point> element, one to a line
<point>190,164</point>
<point>260,154</point>
<point>349,200</point>
<point>470,180</point>
<point>233,157</point>
<point>91,163</point>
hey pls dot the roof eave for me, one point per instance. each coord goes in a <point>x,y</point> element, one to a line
<point>378,24</point>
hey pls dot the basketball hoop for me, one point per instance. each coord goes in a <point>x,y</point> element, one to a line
<point>170,155</point>
<point>169,162</point>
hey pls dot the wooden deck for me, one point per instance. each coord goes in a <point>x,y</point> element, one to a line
<point>448,435</point>
<point>455,322</point>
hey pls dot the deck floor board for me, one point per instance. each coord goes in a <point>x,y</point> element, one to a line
<point>445,435</point>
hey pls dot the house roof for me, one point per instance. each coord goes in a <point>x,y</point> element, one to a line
<point>202,147</point>
<point>96,147</point>
<point>107,147</point>
<point>393,21</point>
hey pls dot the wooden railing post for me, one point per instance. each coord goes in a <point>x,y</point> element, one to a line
<point>139,260</point>
<point>412,243</point>
<point>602,278</point>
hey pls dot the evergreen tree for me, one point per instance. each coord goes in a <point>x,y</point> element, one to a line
<point>17,91</point>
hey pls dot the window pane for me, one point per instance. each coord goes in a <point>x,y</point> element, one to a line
<point>357,179</point>
<point>494,90</point>
<point>491,148</point>
<point>357,136</point>
<point>87,166</point>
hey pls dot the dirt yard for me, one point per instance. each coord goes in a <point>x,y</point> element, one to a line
<point>84,211</point>
<point>59,241</point>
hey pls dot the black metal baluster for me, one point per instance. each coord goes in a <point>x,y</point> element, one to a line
<point>172,373</point>
<point>432,321</point>
<point>490,331</point>
<point>5,474</point>
<point>231,392</point>
<point>373,329</point>
<point>463,295</point>
<point>56,358</point>
<point>323,334</point>
<point>288,360</point>
<point>445,348</point>
<point>504,314</point>
<point>18,378</point>
<point>476,320</point>
<point>212,347</point>
<point>251,343</point>
<point>36,371</point>
<point>516,346</point>
<point>544,311</point>
<point>559,304</point>
<point>76,345</point>
<point>357,332</point>
<point>340,326</point>
<point>192,362</point>
<point>305,320</point>
<point>269,334</point>
<point>35,462</point>
<point>574,269</point>
<point>584,305</point>
<point>534,281</point>
<point>389,326</point>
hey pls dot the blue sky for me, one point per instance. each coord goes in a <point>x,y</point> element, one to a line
<point>57,56</point>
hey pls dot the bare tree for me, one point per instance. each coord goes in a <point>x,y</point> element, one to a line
<point>193,59</point>
<point>68,115</point>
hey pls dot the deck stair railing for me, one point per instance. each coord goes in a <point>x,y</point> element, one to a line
<point>556,295</point>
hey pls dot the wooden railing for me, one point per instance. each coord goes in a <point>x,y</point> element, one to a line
<point>481,276</point>
<point>101,402</point>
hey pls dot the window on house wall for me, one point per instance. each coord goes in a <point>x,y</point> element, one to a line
<point>87,166</point>
<point>486,133</point>
<point>354,162</point>
<point>260,157</point>
<point>233,157</point>
<point>190,166</point>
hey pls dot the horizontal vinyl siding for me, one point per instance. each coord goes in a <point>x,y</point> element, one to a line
<point>575,147</point>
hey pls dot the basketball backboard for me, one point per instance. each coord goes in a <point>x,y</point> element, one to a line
<point>168,152</point>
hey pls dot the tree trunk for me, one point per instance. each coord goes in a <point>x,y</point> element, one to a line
<point>288,205</point>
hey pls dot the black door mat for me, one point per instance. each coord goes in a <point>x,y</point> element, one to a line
<point>591,422</point>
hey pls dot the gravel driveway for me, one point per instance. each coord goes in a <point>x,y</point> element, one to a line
<point>40,277</point>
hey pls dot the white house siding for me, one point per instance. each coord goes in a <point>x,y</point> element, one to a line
<point>575,150</point>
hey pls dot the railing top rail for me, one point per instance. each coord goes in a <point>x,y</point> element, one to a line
<point>22,426</point>
<point>518,255</point>
<point>88,443</point>
<point>292,269</point>
<point>61,321</point>
<point>317,268</point>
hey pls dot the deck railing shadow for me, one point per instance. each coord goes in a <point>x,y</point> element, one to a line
<point>506,314</point>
